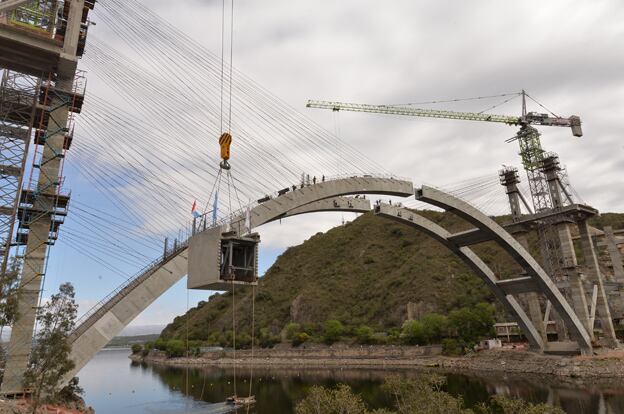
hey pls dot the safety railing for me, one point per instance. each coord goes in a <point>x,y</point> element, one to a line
<point>92,315</point>
<point>37,15</point>
<point>240,213</point>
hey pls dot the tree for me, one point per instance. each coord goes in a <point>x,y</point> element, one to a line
<point>473,324</point>
<point>175,348</point>
<point>413,333</point>
<point>423,395</point>
<point>9,285</point>
<point>332,331</point>
<point>435,327</point>
<point>136,348</point>
<point>341,400</point>
<point>49,358</point>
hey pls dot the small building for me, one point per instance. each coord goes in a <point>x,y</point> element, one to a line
<point>488,344</point>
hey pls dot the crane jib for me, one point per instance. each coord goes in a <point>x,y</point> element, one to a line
<point>531,118</point>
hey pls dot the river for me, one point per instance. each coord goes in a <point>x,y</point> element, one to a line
<point>115,385</point>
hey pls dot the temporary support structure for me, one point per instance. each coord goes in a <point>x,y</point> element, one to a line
<point>36,42</point>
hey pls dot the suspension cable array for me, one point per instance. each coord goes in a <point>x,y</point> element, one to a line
<point>144,185</point>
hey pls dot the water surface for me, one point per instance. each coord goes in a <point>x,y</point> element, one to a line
<point>115,385</point>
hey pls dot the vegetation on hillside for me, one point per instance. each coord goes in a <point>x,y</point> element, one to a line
<point>354,282</point>
<point>124,341</point>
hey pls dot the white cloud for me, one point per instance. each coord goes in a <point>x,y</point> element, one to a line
<point>404,51</point>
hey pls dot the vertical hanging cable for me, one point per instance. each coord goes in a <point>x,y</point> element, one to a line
<point>222,58</point>
<point>234,334</point>
<point>253,338</point>
<point>231,65</point>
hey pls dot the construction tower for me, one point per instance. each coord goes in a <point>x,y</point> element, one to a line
<point>40,44</point>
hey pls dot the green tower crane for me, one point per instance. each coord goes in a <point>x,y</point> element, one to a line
<point>528,136</point>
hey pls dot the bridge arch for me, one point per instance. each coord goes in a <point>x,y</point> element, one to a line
<point>118,309</point>
<point>536,279</point>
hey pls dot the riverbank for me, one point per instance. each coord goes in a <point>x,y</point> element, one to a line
<point>516,361</point>
<point>24,407</point>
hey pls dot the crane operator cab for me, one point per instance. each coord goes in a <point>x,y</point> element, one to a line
<point>218,260</point>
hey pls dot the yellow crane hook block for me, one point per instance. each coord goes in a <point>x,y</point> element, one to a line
<point>225,140</point>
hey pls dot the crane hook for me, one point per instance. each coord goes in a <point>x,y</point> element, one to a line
<point>225,140</point>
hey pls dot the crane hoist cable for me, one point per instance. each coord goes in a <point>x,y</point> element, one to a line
<point>225,143</point>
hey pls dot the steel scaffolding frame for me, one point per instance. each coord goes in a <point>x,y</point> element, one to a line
<point>18,99</point>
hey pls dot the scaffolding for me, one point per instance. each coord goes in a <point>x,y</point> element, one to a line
<point>41,210</point>
<point>18,98</point>
<point>38,16</point>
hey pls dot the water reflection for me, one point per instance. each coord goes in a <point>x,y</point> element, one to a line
<point>115,385</point>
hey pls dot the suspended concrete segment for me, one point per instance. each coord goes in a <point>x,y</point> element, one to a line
<point>535,279</point>
<point>103,322</point>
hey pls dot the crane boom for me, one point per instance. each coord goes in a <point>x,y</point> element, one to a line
<point>531,118</point>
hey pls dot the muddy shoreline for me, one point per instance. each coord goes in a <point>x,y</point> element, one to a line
<point>606,366</point>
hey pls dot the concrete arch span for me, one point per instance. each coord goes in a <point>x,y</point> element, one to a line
<point>118,309</point>
<point>535,279</point>
<point>127,302</point>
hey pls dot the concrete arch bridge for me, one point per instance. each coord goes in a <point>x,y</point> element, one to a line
<point>106,320</point>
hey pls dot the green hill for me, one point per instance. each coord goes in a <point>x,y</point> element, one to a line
<point>362,273</point>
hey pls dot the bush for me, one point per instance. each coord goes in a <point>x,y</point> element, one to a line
<point>332,331</point>
<point>214,339</point>
<point>243,341</point>
<point>394,335</point>
<point>160,344</point>
<point>452,347</point>
<point>71,393</point>
<point>365,335</point>
<point>300,338</point>
<point>331,401</point>
<point>413,333</point>
<point>266,339</point>
<point>423,395</point>
<point>136,348</point>
<point>310,328</point>
<point>506,405</point>
<point>291,330</point>
<point>175,348</point>
<point>226,339</point>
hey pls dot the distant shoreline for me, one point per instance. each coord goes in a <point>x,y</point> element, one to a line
<point>404,358</point>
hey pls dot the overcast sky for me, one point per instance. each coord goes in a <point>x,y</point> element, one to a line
<point>568,55</point>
